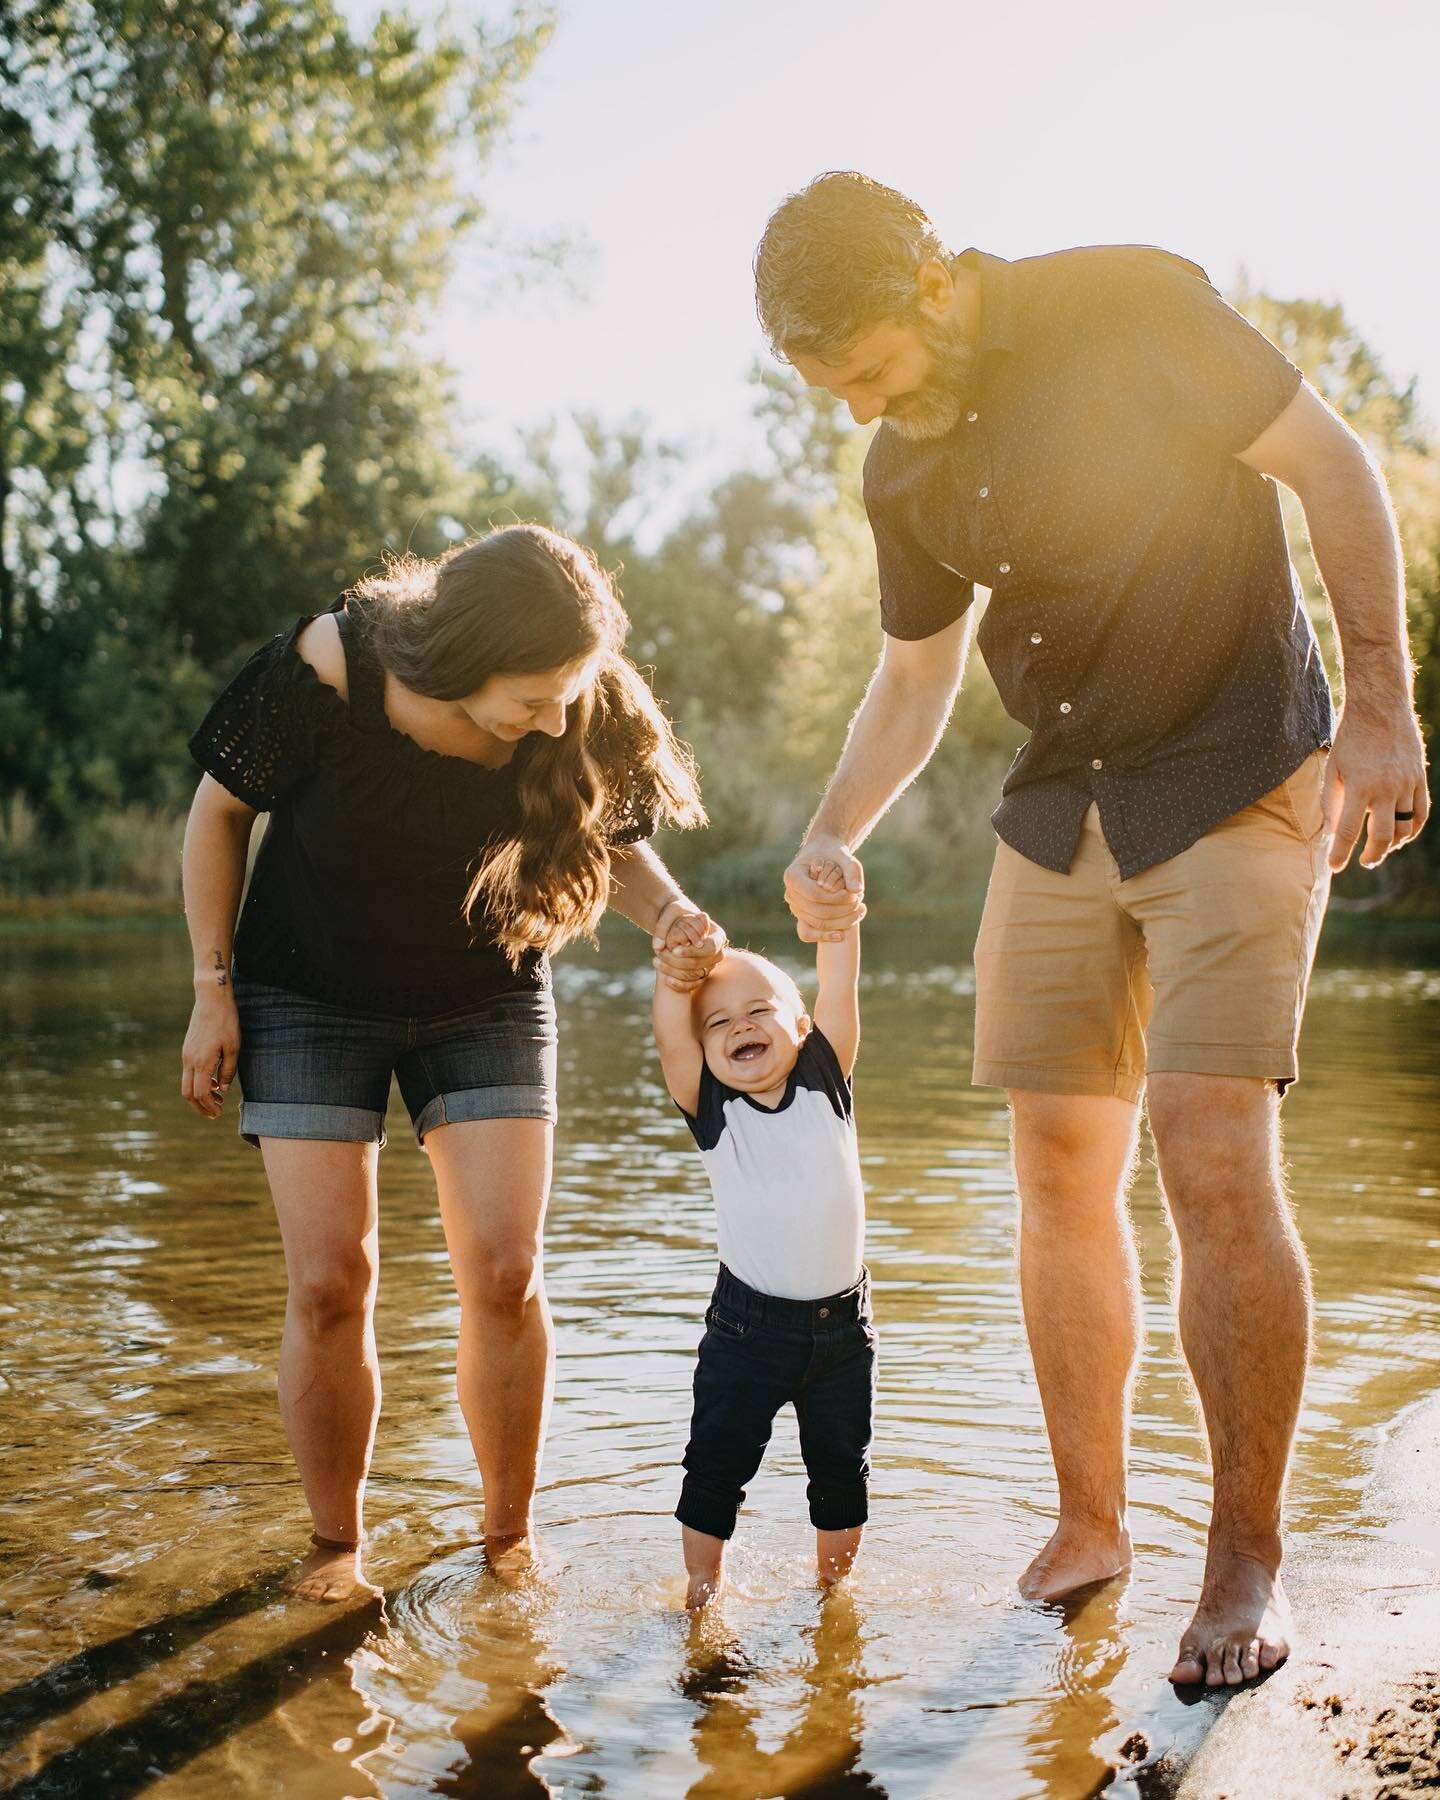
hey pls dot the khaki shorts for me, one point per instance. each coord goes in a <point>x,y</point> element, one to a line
<point>1085,983</point>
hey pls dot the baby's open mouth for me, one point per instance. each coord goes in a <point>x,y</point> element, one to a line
<point>748,1052</point>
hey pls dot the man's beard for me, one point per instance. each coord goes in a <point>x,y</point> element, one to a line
<point>934,408</point>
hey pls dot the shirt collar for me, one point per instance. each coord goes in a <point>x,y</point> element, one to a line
<point>998,322</point>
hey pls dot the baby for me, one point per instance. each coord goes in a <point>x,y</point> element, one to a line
<point>766,1093</point>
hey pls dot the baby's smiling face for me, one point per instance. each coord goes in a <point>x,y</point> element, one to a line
<point>751,1022</point>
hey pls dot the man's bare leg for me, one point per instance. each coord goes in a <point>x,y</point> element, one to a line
<point>1080,1286</point>
<point>1244,1303</point>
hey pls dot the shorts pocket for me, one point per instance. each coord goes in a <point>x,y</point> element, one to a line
<point>1304,795</point>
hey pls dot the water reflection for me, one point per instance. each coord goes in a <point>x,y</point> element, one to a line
<point>820,1753</point>
<point>147,1498</point>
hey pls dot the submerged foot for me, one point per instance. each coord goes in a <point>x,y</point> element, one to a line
<point>511,1557</point>
<point>703,1590</point>
<point>329,1575</point>
<point>1075,1557</point>
<point>1241,1628</point>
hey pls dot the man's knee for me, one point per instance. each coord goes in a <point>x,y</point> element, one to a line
<point>1216,1137</point>
<point>1071,1150</point>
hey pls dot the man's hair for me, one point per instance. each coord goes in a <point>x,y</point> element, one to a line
<point>836,260</point>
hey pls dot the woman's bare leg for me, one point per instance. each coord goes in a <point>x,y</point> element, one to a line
<point>329,1381</point>
<point>493,1177</point>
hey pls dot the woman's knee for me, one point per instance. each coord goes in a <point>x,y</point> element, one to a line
<point>501,1279</point>
<point>334,1294</point>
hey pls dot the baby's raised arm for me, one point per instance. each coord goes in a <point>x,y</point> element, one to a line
<point>680,1054</point>
<point>837,1009</point>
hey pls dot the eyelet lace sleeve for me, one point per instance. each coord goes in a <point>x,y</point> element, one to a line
<point>258,739</point>
<point>632,813</point>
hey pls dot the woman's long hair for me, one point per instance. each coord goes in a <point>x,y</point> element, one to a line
<point>524,601</point>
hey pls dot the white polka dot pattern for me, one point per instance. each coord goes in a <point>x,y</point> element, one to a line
<point>1144,620</point>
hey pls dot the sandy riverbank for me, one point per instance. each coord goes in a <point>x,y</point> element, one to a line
<point>1355,1713</point>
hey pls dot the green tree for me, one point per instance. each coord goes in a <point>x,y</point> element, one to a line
<point>259,205</point>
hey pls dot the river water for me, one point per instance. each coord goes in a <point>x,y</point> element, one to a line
<point>147,1502</point>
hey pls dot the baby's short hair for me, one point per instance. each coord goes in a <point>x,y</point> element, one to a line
<point>753,957</point>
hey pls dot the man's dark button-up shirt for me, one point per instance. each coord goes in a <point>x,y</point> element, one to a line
<point>1144,621</point>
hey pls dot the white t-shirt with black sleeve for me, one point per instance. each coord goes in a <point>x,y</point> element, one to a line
<point>789,1200</point>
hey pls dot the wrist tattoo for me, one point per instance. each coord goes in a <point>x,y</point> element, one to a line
<point>222,977</point>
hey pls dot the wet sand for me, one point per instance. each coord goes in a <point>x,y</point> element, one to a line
<point>1355,1713</point>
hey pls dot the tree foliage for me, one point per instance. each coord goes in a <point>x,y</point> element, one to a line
<point>224,226</point>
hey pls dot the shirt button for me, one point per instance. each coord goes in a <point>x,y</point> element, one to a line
<point>1064,706</point>
<point>1097,764</point>
<point>984,493</point>
<point>971,417</point>
<point>824,1312</point>
<point>1035,638</point>
<point>1004,568</point>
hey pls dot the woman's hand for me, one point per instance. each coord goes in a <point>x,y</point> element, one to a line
<point>212,1044</point>
<point>687,944</point>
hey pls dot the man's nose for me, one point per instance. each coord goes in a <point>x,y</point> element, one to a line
<point>863,411</point>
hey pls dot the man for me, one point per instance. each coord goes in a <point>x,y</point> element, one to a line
<point>1087,434</point>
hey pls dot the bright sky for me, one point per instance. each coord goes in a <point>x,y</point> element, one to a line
<point>1293,139</point>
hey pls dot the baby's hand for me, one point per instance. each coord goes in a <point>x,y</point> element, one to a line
<point>687,944</point>
<point>825,872</point>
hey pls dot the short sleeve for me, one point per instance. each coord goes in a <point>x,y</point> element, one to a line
<point>707,1122</point>
<point>1187,354</point>
<point>633,808</point>
<point>631,818</point>
<point>918,594</point>
<point>258,739</point>
<point>818,1067</point>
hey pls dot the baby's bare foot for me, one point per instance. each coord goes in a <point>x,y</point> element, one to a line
<point>702,1589</point>
<point>1075,1557</point>
<point>329,1574</point>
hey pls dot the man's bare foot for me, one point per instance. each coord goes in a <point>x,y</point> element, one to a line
<point>1241,1627</point>
<point>703,1587</point>
<point>328,1574</point>
<point>1075,1557</point>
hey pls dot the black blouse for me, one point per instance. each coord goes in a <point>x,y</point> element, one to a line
<point>357,893</point>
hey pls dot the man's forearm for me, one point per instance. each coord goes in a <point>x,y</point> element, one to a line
<point>891,739</point>
<point>1357,552</point>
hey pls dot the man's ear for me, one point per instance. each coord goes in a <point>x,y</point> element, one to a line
<point>806,1026</point>
<point>934,289</point>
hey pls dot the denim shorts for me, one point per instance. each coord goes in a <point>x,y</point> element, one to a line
<point>311,1070</point>
<point>757,1354</point>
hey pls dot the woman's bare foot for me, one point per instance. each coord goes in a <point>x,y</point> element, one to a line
<point>1075,1557</point>
<point>511,1557</point>
<point>1241,1628</point>
<point>329,1574</point>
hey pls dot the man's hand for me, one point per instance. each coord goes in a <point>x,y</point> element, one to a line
<point>825,889</point>
<point>1376,769</point>
<point>687,945</point>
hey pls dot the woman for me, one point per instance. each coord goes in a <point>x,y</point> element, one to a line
<point>460,768</point>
